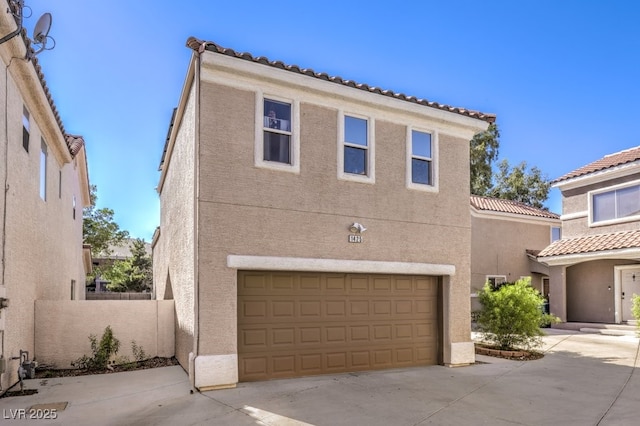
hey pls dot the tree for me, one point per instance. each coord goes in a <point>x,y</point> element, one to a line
<point>518,184</point>
<point>484,151</point>
<point>134,274</point>
<point>510,183</point>
<point>98,227</point>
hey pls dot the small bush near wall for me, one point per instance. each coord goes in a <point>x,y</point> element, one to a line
<point>635,310</point>
<point>511,316</point>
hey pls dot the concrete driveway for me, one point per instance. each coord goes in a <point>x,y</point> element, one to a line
<point>584,379</point>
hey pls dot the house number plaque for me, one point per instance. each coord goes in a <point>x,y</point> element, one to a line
<point>355,238</point>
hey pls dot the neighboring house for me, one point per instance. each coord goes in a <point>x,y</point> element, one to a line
<point>595,267</point>
<point>44,176</point>
<point>311,224</point>
<point>505,237</point>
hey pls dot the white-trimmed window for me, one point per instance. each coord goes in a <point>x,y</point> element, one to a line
<point>496,280</point>
<point>556,233</point>
<point>421,165</point>
<point>25,128</point>
<point>277,138</point>
<point>355,148</point>
<point>43,170</point>
<point>620,204</point>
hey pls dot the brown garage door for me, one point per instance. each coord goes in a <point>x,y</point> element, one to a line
<point>297,324</point>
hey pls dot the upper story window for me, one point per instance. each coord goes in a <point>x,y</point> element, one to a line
<point>355,148</point>
<point>556,233</point>
<point>421,165</point>
<point>25,128</point>
<point>421,159</point>
<point>618,205</point>
<point>277,135</point>
<point>356,145</point>
<point>277,131</point>
<point>43,170</point>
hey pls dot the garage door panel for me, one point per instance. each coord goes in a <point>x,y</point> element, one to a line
<point>292,324</point>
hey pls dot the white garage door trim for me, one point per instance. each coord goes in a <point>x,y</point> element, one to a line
<point>303,264</point>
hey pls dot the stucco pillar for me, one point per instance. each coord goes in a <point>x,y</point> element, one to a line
<point>455,354</point>
<point>558,291</point>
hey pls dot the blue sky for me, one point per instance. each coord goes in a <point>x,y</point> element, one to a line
<point>562,76</point>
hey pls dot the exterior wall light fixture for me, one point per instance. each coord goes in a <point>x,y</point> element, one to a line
<point>357,228</point>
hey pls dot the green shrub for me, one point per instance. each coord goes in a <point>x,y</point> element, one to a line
<point>512,315</point>
<point>635,310</point>
<point>101,352</point>
<point>138,351</point>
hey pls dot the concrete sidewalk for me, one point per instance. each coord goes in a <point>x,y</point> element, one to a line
<point>584,379</point>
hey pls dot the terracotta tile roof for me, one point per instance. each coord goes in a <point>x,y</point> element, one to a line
<point>200,46</point>
<point>612,160</point>
<point>75,143</point>
<point>41,79</point>
<point>509,206</point>
<point>593,243</point>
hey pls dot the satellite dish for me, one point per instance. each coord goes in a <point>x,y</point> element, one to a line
<point>41,30</point>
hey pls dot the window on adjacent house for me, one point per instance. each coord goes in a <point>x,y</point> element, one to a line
<point>277,131</point>
<point>556,233</point>
<point>495,281</point>
<point>421,158</point>
<point>43,170</point>
<point>25,128</point>
<point>356,145</point>
<point>74,207</point>
<point>621,203</point>
<point>73,289</point>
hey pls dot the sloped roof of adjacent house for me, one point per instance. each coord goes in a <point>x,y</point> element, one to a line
<point>592,244</point>
<point>200,46</point>
<point>76,141</point>
<point>608,161</point>
<point>508,206</point>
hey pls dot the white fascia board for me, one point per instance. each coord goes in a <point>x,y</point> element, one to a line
<point>514,217</point>
<point>249,75</point>
<point>597,177</point>
<point>182,103</point>
<point>301,264</point>
<point>572,259</point>
<point>575,215</point>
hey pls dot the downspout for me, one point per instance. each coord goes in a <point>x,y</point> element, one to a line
<point>196,197</point>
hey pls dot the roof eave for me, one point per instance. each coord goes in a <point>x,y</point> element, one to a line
<point>573,258</point>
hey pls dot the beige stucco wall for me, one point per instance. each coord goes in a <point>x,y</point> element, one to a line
<point>576,201</point>
<point>498,247</point>
<point>63,328</point>
<point>590,290</point>
<point>246,210</point>
<point>42,240</point>
<point>174,252</point>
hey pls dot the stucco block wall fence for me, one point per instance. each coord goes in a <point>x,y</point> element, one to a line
<point>62,328</point>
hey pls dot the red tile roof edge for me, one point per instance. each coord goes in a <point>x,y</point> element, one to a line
<point>200,46</point>
<point>500,205</point>
<point>608,161</point>
<point>592,244</point>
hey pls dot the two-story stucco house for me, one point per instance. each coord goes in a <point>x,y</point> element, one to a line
<point>506,236</point>
<point>311,224</point>
<point>595,267</point>
<point>44,175</point>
